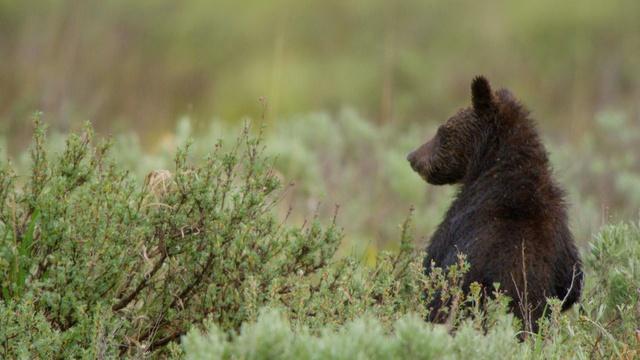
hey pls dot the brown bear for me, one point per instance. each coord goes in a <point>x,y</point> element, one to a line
<point>509,216</point>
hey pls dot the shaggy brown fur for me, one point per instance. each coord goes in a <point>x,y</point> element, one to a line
<point>509,216</point>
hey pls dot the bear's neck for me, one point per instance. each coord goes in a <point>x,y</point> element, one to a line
<point>508,156</point>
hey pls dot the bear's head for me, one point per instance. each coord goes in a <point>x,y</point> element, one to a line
<point>445,158</point>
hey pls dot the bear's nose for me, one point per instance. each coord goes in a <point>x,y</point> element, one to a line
<point>411,157</point>
<point>413,162</point>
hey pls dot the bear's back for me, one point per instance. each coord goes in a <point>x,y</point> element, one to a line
<point>521,250</point>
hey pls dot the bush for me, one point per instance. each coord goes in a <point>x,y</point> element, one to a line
<point>96,263</point>
<point>272,337</point>
<point>604,325</point>
<point>97,259</point>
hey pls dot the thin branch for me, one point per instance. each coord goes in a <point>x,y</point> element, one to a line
<point>127,299</point>
<point>165,340</point>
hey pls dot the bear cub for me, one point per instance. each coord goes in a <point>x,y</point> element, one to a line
<point>509,216</point>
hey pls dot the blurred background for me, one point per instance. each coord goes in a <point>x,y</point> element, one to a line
<point>350,86</point>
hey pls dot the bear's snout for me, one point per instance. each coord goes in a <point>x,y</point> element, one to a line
<point>414,160</point>
<point>411,157</point>
<point>419,157</point>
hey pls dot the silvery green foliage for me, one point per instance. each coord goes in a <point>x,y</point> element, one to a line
<point>604,325</point>
<point>97,262</point>
<point>347,159</point>
<point>273,337</point>
<point>601,173</point>
<point>84,244</point>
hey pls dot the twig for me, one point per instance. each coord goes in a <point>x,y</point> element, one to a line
<point>127,299</point>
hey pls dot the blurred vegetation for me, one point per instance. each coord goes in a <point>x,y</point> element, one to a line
<point>346,89</point>
<point>349,161</point>
<point>141,65</point>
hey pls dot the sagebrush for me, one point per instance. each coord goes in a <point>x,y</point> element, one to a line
<point>98,262</point>
<point>95,262</point>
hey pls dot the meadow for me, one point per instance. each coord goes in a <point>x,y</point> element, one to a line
<point>207,256</point>
<point>221,179</point>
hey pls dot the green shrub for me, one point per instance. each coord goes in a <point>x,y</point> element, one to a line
<point>96,263</point>
<point>88,251</point>
<point>604,325</point>
<point>272,337</point>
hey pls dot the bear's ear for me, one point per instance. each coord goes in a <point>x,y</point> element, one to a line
<point>481,95</point>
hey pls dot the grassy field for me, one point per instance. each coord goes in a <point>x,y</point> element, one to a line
<point>241,189</point>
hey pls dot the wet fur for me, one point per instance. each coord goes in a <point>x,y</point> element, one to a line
<point>507,199</point>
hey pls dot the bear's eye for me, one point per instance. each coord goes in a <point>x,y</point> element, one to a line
<point>443,134</point>
<point>441,142</point>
